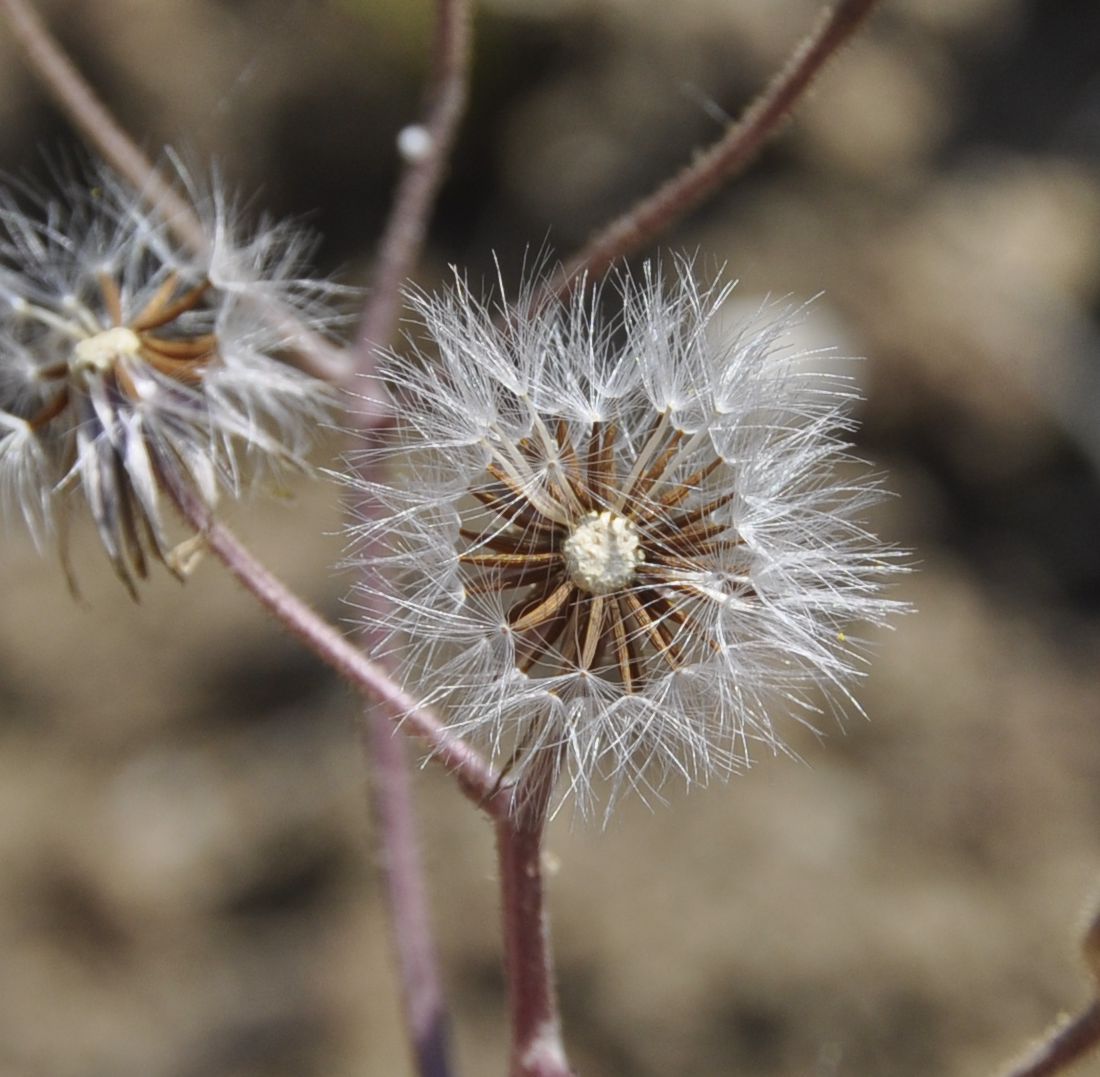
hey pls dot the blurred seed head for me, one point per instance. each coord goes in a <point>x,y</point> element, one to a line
<point>129,363</point>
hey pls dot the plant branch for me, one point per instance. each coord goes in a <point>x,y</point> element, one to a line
<point>475,777</point>
<point>537,1049</point>
<point>420,182</point>
<point>728,156</point>
<point>1067,1044</point>
<point>410,923</point>
<point>90,116</point>
<point>76,98</point>
<point>401,244</point>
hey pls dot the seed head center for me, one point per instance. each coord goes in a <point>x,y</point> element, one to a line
<point>100,352</point>
<point>602,553</point>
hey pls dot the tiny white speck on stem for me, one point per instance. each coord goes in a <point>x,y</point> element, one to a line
<point>414,143</point>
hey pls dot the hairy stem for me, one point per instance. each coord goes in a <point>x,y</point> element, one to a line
<point>408,220</point>
<point>1067,1044</point>
<point>537,1049</point>
<point>475,777</point>
<point>731,154</point>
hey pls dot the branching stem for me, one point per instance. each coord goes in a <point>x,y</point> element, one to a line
<point>731,154</point>
<point>408,220</point>
<point>402,241</point>
<point>475,777</point>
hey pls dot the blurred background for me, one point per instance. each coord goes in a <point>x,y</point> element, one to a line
<point>188,881</point>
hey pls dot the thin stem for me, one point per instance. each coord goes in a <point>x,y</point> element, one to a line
<point>410,922</point>
<point>475,777</point>
<point>76,98</point>
<point>420,977</point>
<point>88,114</point>
<point>402,241</point>
<point>408,221</point>
<point>728,156</point>
<point>1066,1045</point>
<point>537,1049</point>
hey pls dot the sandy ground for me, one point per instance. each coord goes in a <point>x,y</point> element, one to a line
<point>189,884</point>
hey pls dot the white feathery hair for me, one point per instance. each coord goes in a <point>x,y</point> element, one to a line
<point>539,448</point>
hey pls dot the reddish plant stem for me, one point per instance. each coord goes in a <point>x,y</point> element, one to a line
<point>537,1049</point>
<point>87,113</point>
<point>1064,1047</point>
<point>76,98</point>
<point>402,241</point>
<point>725,158</point>
<point>410,923</point>
<point>475,777</point>
<point>407,226</point>
<point>421,981</point>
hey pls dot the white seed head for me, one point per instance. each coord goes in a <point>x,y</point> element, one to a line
<point>618,549</point>
<point>602,554</point>
<point>100,352</point>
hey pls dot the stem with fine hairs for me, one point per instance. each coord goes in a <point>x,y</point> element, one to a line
<point>537,1049</point>
<point>407,225</point>
<point>88,114</point>
<point>1072,1039</point>
<point>727,157</point>
<point>422,994</point>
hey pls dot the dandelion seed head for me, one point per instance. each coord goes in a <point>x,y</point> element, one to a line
<point>618,542</point>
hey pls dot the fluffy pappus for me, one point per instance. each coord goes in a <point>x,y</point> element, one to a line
<point>622,546</point>
<point>129,363</point>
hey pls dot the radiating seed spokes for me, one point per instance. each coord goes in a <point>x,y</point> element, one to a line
<point>592,556</point>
